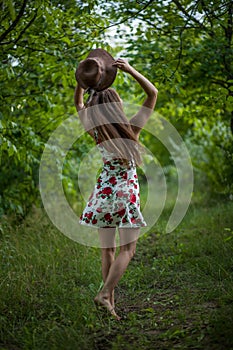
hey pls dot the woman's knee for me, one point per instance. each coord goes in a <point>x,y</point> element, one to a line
<point>110,252</point>
<point>129,249</point>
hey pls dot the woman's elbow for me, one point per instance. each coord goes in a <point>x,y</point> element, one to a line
<point>154,91</point>
<point>79,106</point>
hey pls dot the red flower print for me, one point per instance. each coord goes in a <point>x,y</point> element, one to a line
<point>99,186</point>
<point>124,220</point>
<point>112,167</point>
<point>112,180</point>
<point>120,194</point>
<point>131,181</point>
<point>94,221</point>
<point>133,220</point>
<point>121,212</point>
<point>107,190</point>
<point>124,175</point>
<point>99,179</point>
<point>99,210</point>
<point>135,176</point>
<point>135,186</point>
<point>108,217</point>
<point>133,198</point>
<point>89,215</point>
<point>120,205</point>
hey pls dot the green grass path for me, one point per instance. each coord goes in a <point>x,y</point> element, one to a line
<point>176,294</point>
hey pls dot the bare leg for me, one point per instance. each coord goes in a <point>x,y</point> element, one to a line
<point>118,267</point>
<point>108,245</point>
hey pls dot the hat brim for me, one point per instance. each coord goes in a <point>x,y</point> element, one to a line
<point>109,75</point>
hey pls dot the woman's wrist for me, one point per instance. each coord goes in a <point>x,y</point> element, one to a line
<point>132,71</point>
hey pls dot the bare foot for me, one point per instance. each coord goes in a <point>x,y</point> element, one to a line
<point>105,302</point>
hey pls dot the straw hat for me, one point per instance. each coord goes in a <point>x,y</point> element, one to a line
<point>96,71</point>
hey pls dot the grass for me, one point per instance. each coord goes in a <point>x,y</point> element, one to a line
<point>177,292</point>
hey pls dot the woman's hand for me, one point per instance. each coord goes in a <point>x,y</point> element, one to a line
<point>123,65</point>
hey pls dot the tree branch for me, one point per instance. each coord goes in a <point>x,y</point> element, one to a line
<point>21,33</point>
<point>126,19</point>
<point>14,23</point>
<point>221,83</point>
<point>229,29</point>
<point>26,27</point>
<point>227,61</point>
<point>168,32</point>
<point>33,49</point>
<point>190,17</point>
<point>207,13</point>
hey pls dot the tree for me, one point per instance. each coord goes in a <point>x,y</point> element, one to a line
<point>41,44</point>
<point>185,47</point>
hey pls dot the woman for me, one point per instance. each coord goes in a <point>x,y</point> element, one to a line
<point>114,202</point>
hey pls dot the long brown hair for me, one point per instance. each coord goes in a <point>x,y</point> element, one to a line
<point>108,118</point>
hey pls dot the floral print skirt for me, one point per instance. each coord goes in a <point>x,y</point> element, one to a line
<point>114,201</point>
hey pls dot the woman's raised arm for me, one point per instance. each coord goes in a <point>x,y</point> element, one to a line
<point>78,97</point>
<point>79,104</point>
<point>140,119</point>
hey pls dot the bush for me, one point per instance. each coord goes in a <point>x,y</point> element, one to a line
<point>211,150</point>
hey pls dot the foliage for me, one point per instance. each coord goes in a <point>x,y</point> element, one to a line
<point>42,42</point>
<point>176,293</point>
<point>214,156</point>
<point>184,47</point>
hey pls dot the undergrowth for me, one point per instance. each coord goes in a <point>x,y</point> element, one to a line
<point>177,292</point>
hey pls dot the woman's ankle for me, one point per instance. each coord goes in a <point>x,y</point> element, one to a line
<point>105,293</point>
